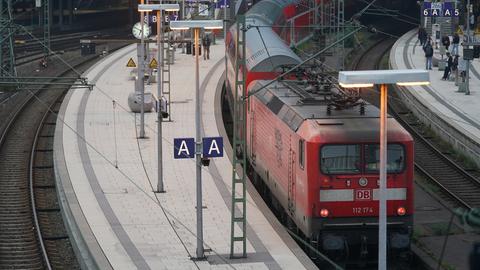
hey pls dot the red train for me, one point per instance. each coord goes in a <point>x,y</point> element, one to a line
<point>320,159</point>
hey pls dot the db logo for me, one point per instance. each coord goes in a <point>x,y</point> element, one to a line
<point>363,194</point>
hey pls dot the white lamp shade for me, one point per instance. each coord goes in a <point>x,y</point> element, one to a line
<point>367,78</point>
<point>152,7</point>
<point>206,24</point>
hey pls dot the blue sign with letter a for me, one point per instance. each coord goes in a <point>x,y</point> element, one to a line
<point>212,147</point>
<point>183,148</point>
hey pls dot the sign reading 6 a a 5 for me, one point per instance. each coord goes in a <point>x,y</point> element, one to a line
<point>445,9</point>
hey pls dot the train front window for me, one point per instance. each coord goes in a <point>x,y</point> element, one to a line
<point>339,159</point>
<point>395,158</point>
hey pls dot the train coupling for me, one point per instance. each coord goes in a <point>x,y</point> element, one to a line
<point>400,240</point>
<point>331,242</point>
<point>363,246</point>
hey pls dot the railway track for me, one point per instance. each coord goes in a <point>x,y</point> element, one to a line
<point>23,201</point>
<point>32,234</point>
<point>33,49</point>
<point>458,187</point>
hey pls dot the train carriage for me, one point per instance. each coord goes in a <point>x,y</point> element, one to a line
<point>320,164</point>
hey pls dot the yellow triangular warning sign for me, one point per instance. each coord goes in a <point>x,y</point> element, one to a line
<point>459,31</point>
<point>131,63</point>
<point>153,63</point>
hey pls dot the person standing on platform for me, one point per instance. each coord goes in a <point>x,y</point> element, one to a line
<point>448,67</point>
<point>455,42</point>
<point>206,47</point>
<point>455,68</point>
<point>422,36</point>
<point>446,42</point>
<point>472,21</point>
<point>428,55</point>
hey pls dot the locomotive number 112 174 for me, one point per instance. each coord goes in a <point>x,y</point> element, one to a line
<point>362,210</point>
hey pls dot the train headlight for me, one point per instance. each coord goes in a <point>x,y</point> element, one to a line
<point>363,181</point>
<point>324,212</point>
<point>401,211</point>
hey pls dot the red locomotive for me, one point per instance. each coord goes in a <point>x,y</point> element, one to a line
<point>319,159</point>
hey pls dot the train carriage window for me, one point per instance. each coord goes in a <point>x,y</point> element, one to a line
<point>395,158</point>
<point>301,153</point>
<point>340,159</point>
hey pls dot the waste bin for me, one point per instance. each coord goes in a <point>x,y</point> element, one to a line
<point>171,56</point>
<point>189,47</point>
<point>199,49</point>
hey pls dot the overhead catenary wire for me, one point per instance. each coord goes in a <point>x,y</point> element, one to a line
<point>156,197</point>
<point>127,110</point>
<point>113,100</point>
<point>112,163</point>
<point>128,178</point>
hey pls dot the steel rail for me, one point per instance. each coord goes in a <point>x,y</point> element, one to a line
<point>32,192</point>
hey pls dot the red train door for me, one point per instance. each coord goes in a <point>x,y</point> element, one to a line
<point>291,180</point>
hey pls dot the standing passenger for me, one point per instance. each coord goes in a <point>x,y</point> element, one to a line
<point>446,42</point>
<point>429,55</point>
<point>448,67</point>
<point>422,36</point>
<point>206,47</point>
<point>455,42</point>
<point>455,68</point>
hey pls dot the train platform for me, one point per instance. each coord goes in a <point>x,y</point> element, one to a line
<point>441,99</point>
<point>107,176</point>
<point>455,117</point>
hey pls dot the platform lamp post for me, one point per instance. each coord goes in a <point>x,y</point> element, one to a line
<point>369,78</point>
<point>159,8</point>
<point>196,26</point>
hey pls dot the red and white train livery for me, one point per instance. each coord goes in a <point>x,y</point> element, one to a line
<point>321,164</point>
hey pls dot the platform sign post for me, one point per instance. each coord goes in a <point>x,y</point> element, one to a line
<point>467,81</point>
<point>141,76</point>
<point>160,186</point>
<point>154,64</point>
<point>196,26</point>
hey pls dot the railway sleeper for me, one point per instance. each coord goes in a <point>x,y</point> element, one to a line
<point>45,210</point>
<point>26,264</point>
<point>44,186</point>
<point>35,261</point>
<point>44,150</point>
<point>6,214</point>
<point>23,239</point>
<point>55,238</point>
<point>17,249</point>
<point>43,167</point>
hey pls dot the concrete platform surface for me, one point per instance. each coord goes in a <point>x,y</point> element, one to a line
<point>440,96</point>
<point>113,175</point>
